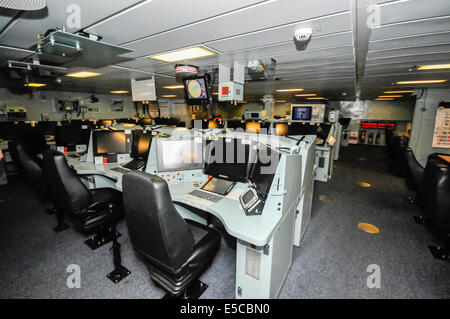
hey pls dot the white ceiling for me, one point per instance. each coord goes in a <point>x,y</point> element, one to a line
<point>344,55</point>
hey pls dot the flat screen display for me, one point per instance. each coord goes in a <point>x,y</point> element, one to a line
<point>109,142</point>
<point>218,186</point>
<point>301,113</point>
<point>141,144</point>
<point>264,170</point>
<point>230,158</point>
<point>71,135</point>
<point>179,154</point>
<point>196,90</point>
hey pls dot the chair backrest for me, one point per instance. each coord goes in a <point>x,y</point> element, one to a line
<point>156,229</point>
<point>415,170</point>
<point>28,164</point>
<point>69,192</point>
<point>436,192</point>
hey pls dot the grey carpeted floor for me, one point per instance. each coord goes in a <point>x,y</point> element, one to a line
<point>331,263</point>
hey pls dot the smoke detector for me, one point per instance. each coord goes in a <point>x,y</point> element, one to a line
<point>25,5</point>
<point>302,37</point>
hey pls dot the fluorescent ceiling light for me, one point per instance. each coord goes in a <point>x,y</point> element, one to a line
<point>384,99</point>
<point>389,96</point>
<point>242,102</point>
<point>316,98</point>
<point>215,93</point>
<point>280,101</point>
<point>395,92</point>
<point>290,90</point>
<point>421,82</point>
<point>82,74</point>
<point>174,87</point>
<point>183,54</point>
<point>433,67</point>
<point>119,92</point>
<point>169,95</point>
<point>305,95</point>
<point>35,85</point>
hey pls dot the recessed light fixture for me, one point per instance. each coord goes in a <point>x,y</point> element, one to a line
<point>316,98</point>
<point>82,74</point>
<point>384,99</point>
<point>290,90</point>
<point>395,92</point>
<point>242,102</point>
<point>421,82</point>
<point>433,67</point>
<point>215,93</point>
<point>389,96</point>
<point>35,85</point>
<point>174,87</point>
<point>169,95</point>
<point>281,101</point>
<point>305,95</point>
<point>183,54</point>
<point>119,92</point>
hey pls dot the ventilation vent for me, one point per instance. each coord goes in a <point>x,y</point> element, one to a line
<point>26,5</point>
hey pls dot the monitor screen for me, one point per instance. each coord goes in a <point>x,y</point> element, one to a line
<point>218,186</point>
<point>252,127</point>
<point>281,129</point>
<point>234,124</point>
<point>230,159</point>
<point>196,90</point>
<point>33,140</point>
<point>109,142</point>
<point>141,144</point>
<point>301,113</point>
<point>180,154</point>
<point>264,170</point>
<point>71,135</point>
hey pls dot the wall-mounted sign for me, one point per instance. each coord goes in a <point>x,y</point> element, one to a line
<point>441,137</point>
<point>378,125</point>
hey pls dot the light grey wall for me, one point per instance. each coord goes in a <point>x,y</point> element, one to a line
<point>423,124</point>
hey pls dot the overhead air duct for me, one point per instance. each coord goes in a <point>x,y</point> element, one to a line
<point>23,5</point>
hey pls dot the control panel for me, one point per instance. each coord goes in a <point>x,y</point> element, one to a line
<point>181,176</point>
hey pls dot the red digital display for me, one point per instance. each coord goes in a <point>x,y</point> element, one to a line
<point>378,125</point>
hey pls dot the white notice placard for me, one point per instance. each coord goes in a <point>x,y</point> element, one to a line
<point>441,137</point>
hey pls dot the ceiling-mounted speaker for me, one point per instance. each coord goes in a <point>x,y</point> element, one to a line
<point>25,5</point>
<point>184,70</point>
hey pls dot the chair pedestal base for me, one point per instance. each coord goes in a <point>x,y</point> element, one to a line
<point>194,291</point>
<point>420,220</point>
<point>440,253</point>
<point>102,237</point>
<point>118,274</point>
<point>61,225</point>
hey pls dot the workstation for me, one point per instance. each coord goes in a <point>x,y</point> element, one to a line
<point>182,157</point>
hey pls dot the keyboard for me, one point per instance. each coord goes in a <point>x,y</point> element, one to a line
<point>120,170</point>
<point>207,196</point>
<point>134,164</point>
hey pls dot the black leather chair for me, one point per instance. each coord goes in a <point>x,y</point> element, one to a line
<point>88,208</point>
<point>163,239</point>
<point>414,172</point>
<point>94,210</point>
<point>434,197</point>
<point>31,167</point>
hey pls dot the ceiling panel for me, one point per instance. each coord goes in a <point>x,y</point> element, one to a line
<point>10,53</point>
<point>321,26</point>
<point>413,41</point>
<point>23,31</point>
<point>429,49</point>
<point>401,11</point>
<point>164,15</point>
<point>434,25</point>
<point>255,18</point>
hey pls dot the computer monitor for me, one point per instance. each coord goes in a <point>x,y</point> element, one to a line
<point>218,186</point>
<point>301,129</point>
<point>109,142</point>
<point>71,135</point>
<point>141,144</point>
<point>234,124</point>
<point>281,129</point>
<point>252,127</point>
<point>33,140</point>
<point>264,170</point>
<point>229,158</point>
<point>196,90</point>
<point>179,154</point>
<point>47,127</point>
<point>301,113</point>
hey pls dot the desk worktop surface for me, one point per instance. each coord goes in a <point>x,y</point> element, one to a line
<point>256,230</point>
